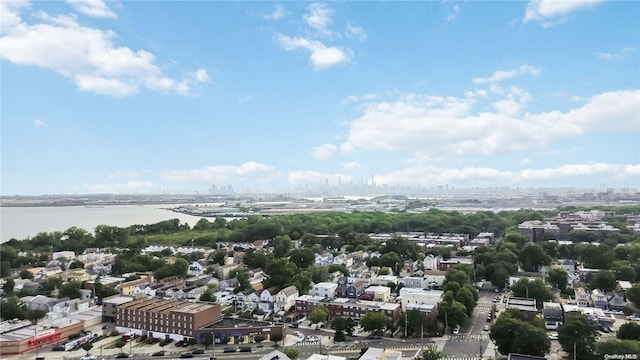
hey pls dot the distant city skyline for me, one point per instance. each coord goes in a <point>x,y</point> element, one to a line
<point>179,96</point>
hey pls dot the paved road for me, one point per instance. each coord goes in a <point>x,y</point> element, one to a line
<point>472,341</point>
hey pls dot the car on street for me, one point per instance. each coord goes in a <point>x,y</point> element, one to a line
<point>58,348</point>
<point>553,336</point>
<point>186,355</point>
<point>229,350</point>
<point>88,357</point>
<point>486,328</point>
<point>158,353</point>
<point>456,331</point>
<point>245,348</point>
<point>197,352</point>
<point>122,356</point>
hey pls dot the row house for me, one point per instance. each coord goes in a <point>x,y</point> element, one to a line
<point>553,315</point>
<point>599,299</point>
<point>582,297</point>
<point>349,290</point>
<point>343,259</point>
<point>414,282</point>
<point>286,299</point>
<point>384,279</point>
<point>129,287</point>
<point>410,298</point>
<point>268,298</point>
<point>378,293</point>
<point>350,308</point>
<point>325,290</point>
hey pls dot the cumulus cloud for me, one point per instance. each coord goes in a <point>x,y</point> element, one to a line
<point>94,8</point>
<point>352,165</point>
<point>314,177</point>
<point>453,14</point>
<point>428,126</point>
<point>278,13</point>
<point>615,56</point>
<point>321,56</point>
<point>483,176</point>
<point>501,75</point>
<point>551,12</point>
<point>319,18</point>
<point>324,151</point>
<point>39,123</point>
<point>225,174</point>
<point>87,56</point>
<point>355,32</point>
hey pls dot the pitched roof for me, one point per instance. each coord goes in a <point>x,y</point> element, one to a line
<point>290,290</point>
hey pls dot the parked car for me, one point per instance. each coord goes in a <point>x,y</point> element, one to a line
<point>553,336</point>
<point>456,331</point>
<point>88,357</point>
<point>122,356</point>
<point>58,348</point>
<point>186,355</point>
<point>229,350</point>
<point>158,353</point>
<point>245,348</point>
<point>197,352</point>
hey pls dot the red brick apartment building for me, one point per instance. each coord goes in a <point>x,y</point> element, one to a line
<point>166,317</point>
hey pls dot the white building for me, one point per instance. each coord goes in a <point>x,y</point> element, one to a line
<point>324,289</point>
<point>409,298</point>
<point>286,299</point>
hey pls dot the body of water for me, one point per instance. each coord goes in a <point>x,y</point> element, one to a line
<point>23,222</point>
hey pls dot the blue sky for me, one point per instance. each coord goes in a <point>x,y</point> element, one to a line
<point>164,96</point>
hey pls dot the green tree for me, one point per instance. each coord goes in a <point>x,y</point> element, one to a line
<point>259,338</point>
<point>70,289</point>
<point>532,256</point>
<point>25,274</point>
<point>342,327</point>
<point>603,280</point>
<point>319,314</point>
<point>617,346</point>
<point>13,308</point>
<point>416,321</point>
<point>629,331</point>
<point>86,347</point>
<point>535,289</point>
<point>120,343</point>
<point>558,277</point>
<point>208,296</point>
<point>291,352</point>
<point>431,352</point>
<point>75,264</point>
<point>303,258</point>
<point>633,294</point>
<point>281,246</point>
<point>208,341</point>
<point>8,286</point>
<point>275,338</point>
<point>514,334</point>
<point>579,333</point>
<point>374,321</point>
<point>452,313</point>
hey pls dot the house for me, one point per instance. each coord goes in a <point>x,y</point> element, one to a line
<point>31,287</point>
<point>195,268</point>
<point>553,315</point>
<point>379,293</point>
<point>341,289</point>
<point>599,299</point>
<point>384,279</point>
<point>286,299</point>
<point>355,289</point>
<point>71,306</point>
<point>569,267</point>
<point>445,265</point>
<point>252,300</point>
<point>325,290</point>
<point>526,307</point>
<point>582,297</point>
<point>224,272</point>
<point>42,303</point>
<point>431,262</point>
<point>228,284</point>
<point>268,298</point>
<point>129,287</point>
<point>410,298</point>
<point>616,301</point>
<point>415,282</point>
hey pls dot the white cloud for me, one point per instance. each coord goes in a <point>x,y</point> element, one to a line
<point>324,151</point>
<point>501,75</point>
<point>86,55</point>
<point>430,127</point>
<point>453,14</point>
<point>245,99</point>
<point>355,32</point>
<point>118,174</point>
<point>615,56</point>
<point>314,177</point>
<point>220,174</point>
<point>321,57</point>
<point>486,176</point>
<point>352,165</point>
<point>39,123</point>
<point>524,161</point>
<point>552,12</point>
<point>95,8</point>
<point>319,18</point>
<point>278,13</point>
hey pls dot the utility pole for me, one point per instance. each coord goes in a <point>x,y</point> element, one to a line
<point>406,323</point>
<point>574,350</point>
<point>422,339</point>
<point>37,342</point>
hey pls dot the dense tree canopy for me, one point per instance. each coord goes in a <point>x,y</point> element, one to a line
<point>579,333</point>
<point>513,334</point>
